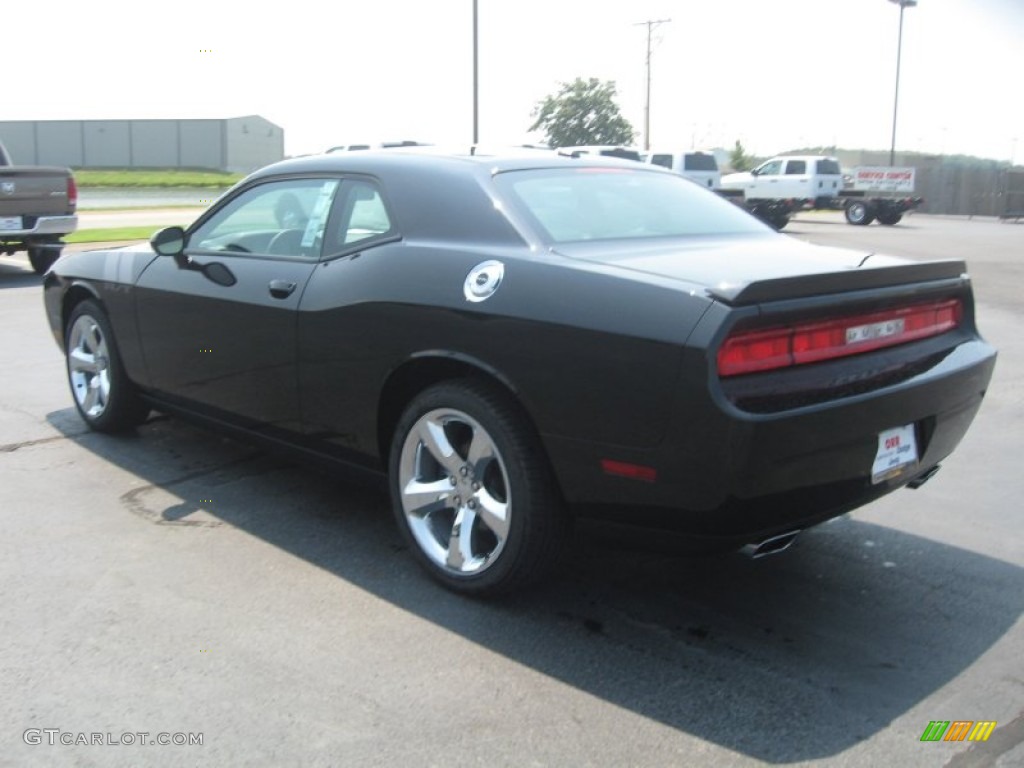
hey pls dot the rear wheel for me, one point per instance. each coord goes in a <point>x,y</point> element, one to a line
<point>105,397</point>
<point>472,492</point>
<point>41,257</point>
<point>859,213</point>
<point>889,218</point>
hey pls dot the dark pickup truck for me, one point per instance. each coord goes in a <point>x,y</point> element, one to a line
<point>37,208</point>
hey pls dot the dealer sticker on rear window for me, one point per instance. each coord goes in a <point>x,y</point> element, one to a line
<point>897,452</point>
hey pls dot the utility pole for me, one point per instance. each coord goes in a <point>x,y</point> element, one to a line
<point>651,25</point>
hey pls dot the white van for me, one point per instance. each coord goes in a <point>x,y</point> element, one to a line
<point>700,167</point>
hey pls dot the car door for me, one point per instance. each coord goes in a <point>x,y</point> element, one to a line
<point>218,325</point>
<point>766,181</point>
<point>796,180</point>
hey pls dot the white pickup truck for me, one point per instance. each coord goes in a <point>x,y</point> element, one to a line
<point>37,208</point>
<point>783,185</point>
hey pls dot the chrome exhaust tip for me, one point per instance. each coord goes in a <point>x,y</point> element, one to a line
<point>770,546</point>
<point>920,480</point>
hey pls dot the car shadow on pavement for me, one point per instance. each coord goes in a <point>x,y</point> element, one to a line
<point>13,276</point>
<point>792,658</point>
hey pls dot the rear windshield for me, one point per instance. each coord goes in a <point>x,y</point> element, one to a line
<point>573,204</point>
<point>700,162</point>
<point>829,167</point>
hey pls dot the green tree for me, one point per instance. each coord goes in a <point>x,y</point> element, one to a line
<point>739,159</point>
<point>582,112</point>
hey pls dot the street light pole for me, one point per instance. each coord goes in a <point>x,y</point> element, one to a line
<point>650,24</point>
<point>896,99</point>
<point>476,79</point>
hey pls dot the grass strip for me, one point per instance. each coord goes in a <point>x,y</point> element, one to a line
<point>112,234</point>
<point>153,177</point>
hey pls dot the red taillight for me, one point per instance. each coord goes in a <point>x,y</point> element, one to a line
<point>752,351</point>
<point>72,193</point>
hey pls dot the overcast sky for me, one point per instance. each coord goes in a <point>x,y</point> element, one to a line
<point>775,74</point>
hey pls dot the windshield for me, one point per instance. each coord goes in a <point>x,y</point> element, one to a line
<point>574,204</point>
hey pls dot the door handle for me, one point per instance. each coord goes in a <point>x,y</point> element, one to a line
<point>281,289</point>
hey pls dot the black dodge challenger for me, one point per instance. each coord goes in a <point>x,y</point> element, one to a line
<point>517,341</point>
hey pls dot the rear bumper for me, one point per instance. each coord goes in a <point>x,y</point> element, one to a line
<point>733,476</point>
<point>34,226</point>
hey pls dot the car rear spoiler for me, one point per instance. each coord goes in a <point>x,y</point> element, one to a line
<point>779,288</point>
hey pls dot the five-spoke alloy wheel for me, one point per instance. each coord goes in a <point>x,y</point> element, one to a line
<point>471,491</point>
<point>103,394</point>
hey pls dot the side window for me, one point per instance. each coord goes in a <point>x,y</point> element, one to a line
<point>279,218</point>
<point>796,167</point>
<point>665,161</point>
<point>774,168</point>
<point>361,216</point>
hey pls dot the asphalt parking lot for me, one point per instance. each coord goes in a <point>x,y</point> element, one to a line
<point>177,583</point>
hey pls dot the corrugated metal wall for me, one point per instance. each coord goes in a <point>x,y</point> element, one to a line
<point>237,144</point>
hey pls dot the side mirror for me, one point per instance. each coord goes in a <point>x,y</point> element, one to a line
<point>169,241</point>
<point>755,171</point>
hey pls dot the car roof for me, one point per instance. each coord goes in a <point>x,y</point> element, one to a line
<point>426,159</point>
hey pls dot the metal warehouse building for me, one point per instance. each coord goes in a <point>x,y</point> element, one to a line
<point>236,144</point>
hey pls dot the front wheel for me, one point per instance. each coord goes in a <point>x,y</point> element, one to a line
<point>472,492</point>
<point>106,399</point>
<point>859,213</point>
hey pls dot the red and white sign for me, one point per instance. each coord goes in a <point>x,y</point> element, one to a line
<point>883,179</point>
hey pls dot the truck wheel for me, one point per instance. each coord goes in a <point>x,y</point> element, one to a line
<point>889,218</point>
<point>779,221</point>
<point>41,257</point>
<point>859,213</point>
<point>472,491</point>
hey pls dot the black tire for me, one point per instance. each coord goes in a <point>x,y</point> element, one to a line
<point>859,213</point>
<point>494,475</point>
<point>42,257</point>
<point>888,219</point>
<point>104,396</point>
<point>779,222</point>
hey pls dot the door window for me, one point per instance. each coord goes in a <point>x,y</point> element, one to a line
<point>796,168</point>
<point>280,218</point>
<point>774,168</point>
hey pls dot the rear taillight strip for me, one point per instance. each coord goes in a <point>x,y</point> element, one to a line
<point>784,346</point>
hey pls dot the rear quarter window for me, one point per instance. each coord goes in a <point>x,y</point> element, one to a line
<point>700,162</point>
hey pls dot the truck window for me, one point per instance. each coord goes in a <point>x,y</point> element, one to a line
<point>796,167</point>
<point>829,167</point>
<point>665,161</point>
<point>699,161</point>
<point>773,168</point>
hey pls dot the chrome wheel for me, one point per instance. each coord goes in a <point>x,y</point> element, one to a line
<point>455,492</point>
<point>89,366</point>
